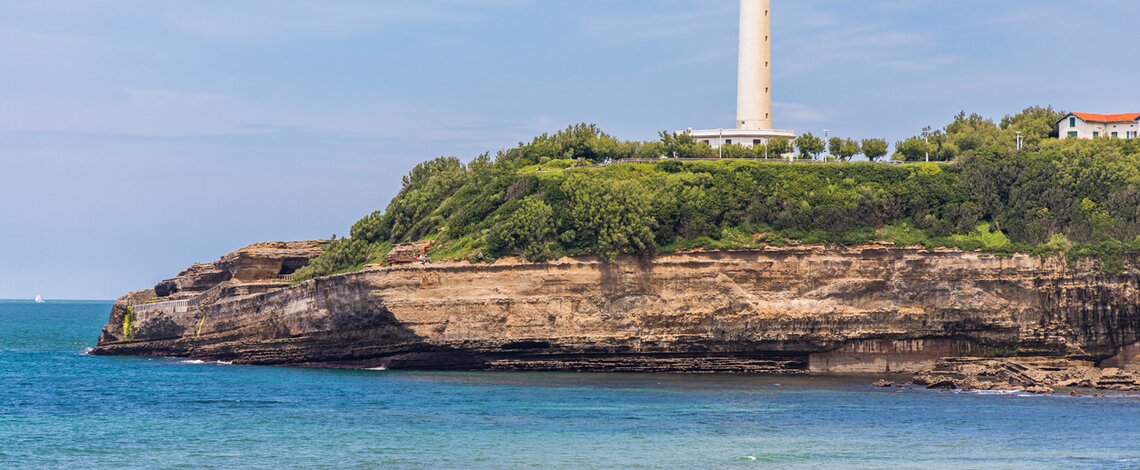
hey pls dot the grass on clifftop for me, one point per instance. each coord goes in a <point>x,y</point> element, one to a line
<point>553,197</point>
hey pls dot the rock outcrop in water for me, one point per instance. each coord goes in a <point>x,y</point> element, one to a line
<point>1033,374</point>
<point>861,310</point>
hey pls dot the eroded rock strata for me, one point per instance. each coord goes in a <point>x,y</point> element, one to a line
<point>861,310</point>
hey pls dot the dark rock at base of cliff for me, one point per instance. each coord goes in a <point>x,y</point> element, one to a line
<point>1030,374</point>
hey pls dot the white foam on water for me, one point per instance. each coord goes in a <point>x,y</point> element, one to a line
<point>377,368</point>
<point>996,392</point>
<point>86,351</point>
<point>193,361</point>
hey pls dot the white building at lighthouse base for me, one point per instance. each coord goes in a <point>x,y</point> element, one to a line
<point>745,137</point>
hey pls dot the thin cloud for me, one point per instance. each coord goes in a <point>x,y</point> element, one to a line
<point>797,113</point>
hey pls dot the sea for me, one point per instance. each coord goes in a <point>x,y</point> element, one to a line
<point>63,408</point>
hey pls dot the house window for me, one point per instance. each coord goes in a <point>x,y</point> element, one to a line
<point>1073,134</point>
<point>1115,135</point>
<point>757,141</point>
<point>1072,122</point>
<point>728,142</point>
<point>1096,134</point>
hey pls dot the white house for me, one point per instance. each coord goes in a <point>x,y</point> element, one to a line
<point>1091,126</point>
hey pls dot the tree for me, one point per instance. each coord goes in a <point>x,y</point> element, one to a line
<point>529,228</point>
<point>679,144</point>
<point>834,146</point>
<point>777,147</point>
<point>736,151</point>
<point>945,148</point>
<point>913,149</point>
<point>963,134</point>
<point>847,149</point>
<point>809,146</point>
<point>584,141</point>
<point>337,256</point>
<point>409,215</point>
<point>369,228</point>
<point>1035,123</point>
<point>874,149</point>
<point>609,217</point>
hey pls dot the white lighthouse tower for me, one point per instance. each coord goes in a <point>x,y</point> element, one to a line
<point>754,85</point>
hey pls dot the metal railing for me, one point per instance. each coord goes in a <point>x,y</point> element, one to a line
<point>175,306</point>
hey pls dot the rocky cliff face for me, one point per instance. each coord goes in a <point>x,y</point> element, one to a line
<point>870,309</point>
<point>261,262</point>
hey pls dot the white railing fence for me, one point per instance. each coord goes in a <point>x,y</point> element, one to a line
<point>175,306</point>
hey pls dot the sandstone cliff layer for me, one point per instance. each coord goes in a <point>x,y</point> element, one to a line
<point>869,309</point>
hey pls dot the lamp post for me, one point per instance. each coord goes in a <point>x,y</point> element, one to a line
<point>826,135</point>
<point>720,146</point>
<point>926,139</point>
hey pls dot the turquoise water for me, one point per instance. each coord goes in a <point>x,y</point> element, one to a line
<point>62,409</point>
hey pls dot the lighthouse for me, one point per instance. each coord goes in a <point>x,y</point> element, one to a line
<point>754,83</point>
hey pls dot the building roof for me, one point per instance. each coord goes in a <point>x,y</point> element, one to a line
<point>1092,117</point>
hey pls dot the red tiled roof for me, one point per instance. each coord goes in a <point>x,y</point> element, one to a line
<point>1092,117</point>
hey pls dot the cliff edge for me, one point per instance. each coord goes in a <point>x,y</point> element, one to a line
<point>869,309</point>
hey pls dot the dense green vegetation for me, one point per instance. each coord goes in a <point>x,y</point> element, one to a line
<point>129,324</point>
<point>555,196</point>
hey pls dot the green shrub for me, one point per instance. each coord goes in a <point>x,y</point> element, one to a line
<point>129,324</point>
<point>343,255</point>
<point>1070,196</point>
<point>530,228</point>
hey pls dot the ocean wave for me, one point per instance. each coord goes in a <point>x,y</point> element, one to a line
<point>199,361</point>
<point>997,392</point>
<point>377,368</point>
<point>86,351</point>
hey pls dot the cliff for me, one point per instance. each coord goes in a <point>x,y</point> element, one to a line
<point>868,309</point>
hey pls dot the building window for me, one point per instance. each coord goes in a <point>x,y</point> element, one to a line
<point>1072,122</point>
<point>1115,135</point>
<point>1096,134</point>
<point>728,142</point>
<point>1073,134</point>
<point>707,142</point>
<point>757,141</point>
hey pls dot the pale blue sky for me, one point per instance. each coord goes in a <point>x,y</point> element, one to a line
<point>137,137</point>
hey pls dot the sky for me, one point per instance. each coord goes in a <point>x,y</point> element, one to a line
<point>140,136</point>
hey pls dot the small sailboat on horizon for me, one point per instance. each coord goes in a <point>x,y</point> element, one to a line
<point>39,299</point>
